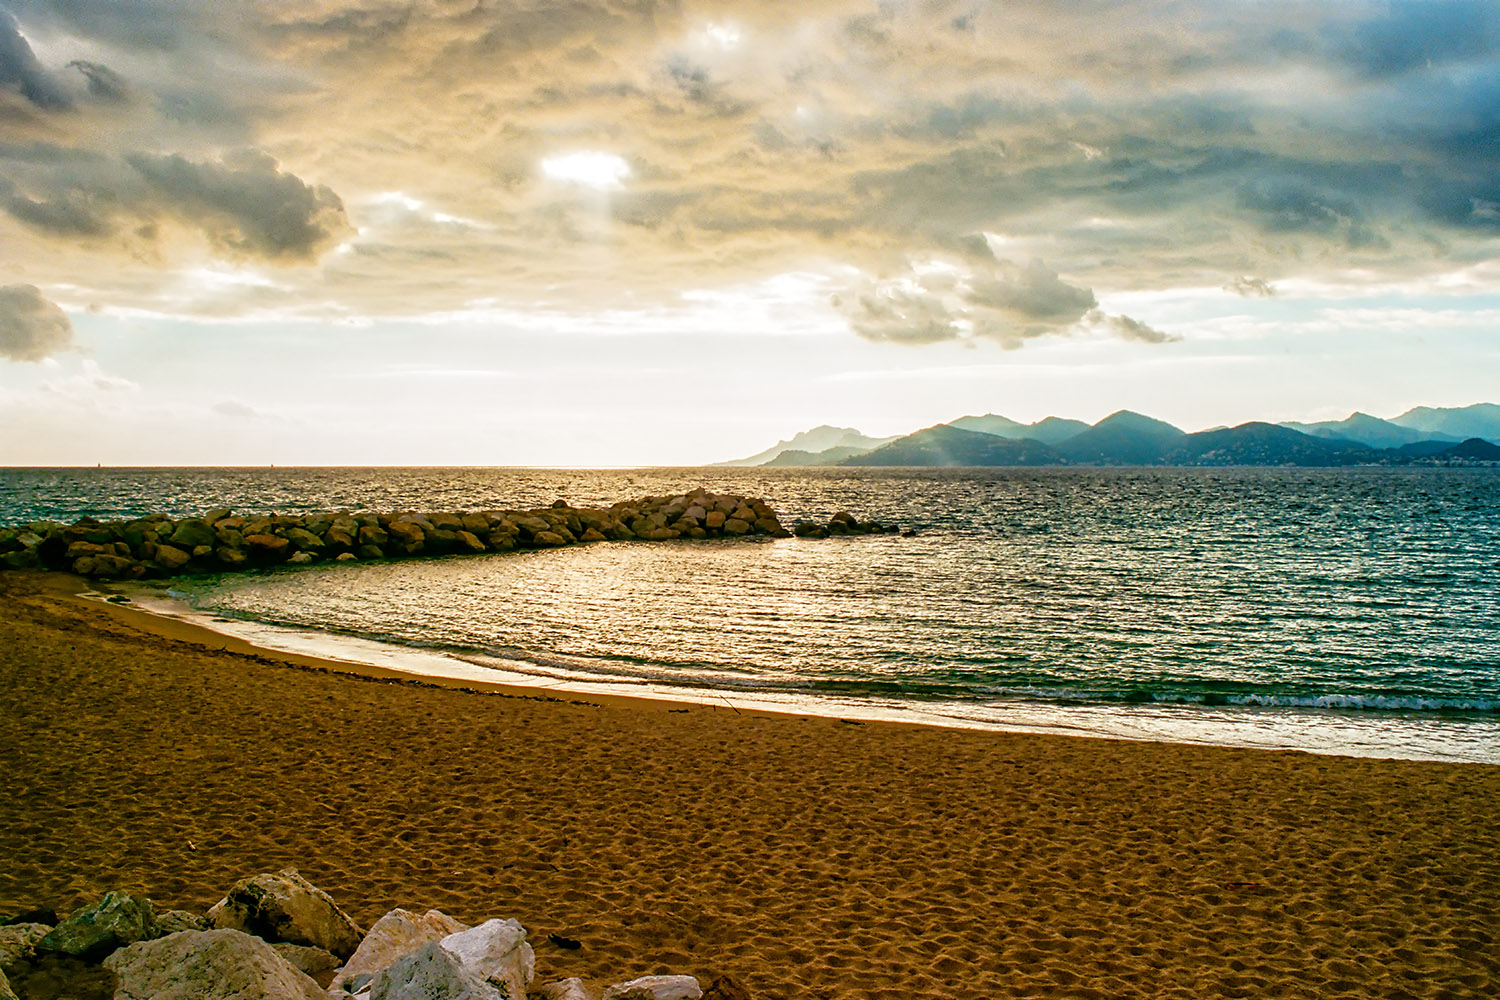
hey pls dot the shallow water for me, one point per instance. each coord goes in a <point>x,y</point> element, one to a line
<point>1350,611</point>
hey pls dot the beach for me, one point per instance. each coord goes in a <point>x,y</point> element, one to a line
<point>805,857</point>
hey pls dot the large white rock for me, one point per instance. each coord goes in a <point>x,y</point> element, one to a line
<point>496,951</point>
<point>207,965</point>
<point>655,988</point>
<point>398,933</point>
<point>286,907</point>
<point>564,989</point>
<point>433,973</point>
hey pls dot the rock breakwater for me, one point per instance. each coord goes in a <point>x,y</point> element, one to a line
<point>221,540</point>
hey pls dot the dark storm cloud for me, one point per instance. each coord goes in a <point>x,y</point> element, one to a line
<point>104,83</point>
<point>20,69</point>
<point>247,205</point>
<point>244,204</point>
<point>1420,35</point>
<point>31,327</point>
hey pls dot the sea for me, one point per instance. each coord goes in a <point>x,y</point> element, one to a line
<point>1344,611</point>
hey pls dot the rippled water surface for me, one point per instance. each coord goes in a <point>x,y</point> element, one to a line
<point>1345,610</point>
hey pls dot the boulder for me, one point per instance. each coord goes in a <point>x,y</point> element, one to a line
<point>208,965</point>
<point>18,944</point>
<point>655,988</point>
<point>267,546</point>
<point>736,526</point>
<point>714,519</point>
<point>170,558</point>
<point>346,557</point>
<point>91,932</point>
<point>564,989</point>
<point>476,524</point>
<point>406,538</point>
<point>469,542</point>
<point>307,959</point>
<point>172,921</point>
<point>286,907</point>
<point>548,539</point>
<point>496,951</point>
<point>6,993</point>
<point>398,933</point>
<point>192,533</point>
<point>300,559</point>
<point>373,534</point>
<point>369,552</point>
<point>432,973</point>
<point>231,558</point>
<point>592,535</point>
<point>304,540</point>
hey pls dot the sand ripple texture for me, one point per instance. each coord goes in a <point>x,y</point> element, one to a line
<point>805,857</point>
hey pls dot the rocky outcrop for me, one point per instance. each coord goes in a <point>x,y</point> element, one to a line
<point>842,523</point>
<point>92,932</point>
<point>398,933</point>
<point>434,972</point>
<point>563,989</point>
<point>286,907</point>
<point>405,956</point>
<point>497,952</point>
<point>208,965</point>
<point>6,993</point>
<point>219,541</point>
<point>18,944</point>
<point>655,988</point>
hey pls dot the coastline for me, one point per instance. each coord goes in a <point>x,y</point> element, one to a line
<point>1379,734</point>
<point>801,855</point>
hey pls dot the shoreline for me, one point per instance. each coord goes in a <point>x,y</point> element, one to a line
<point>800,855</point>
<point>1237,726</point>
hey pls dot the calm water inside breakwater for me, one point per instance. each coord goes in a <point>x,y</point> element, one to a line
<point>1351,611</point>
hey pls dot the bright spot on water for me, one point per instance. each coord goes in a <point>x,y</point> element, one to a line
<point>595,170</point>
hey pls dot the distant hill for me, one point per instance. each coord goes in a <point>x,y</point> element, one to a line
<point>795,457</point>
<point>1264,444</point>
<point>1367,430</point>
<point>1055,430</point>
<point>1472,450</point>
<point>1122,438</point>
<point>1049,430</point>
<point>817,440</point>
<point>946,445</point>
<point>1423,436</point>
<point>1482,420</point>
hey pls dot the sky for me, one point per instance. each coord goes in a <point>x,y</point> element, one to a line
<point>628,232</point>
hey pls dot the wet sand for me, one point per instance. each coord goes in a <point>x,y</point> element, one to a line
<point>805,857</point>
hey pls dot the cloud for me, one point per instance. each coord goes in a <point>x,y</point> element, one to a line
<point>980,298</point>
<point>1126,328</point>
<point>244,204</point>
<point>20,69</point>
<point>235,409</point>
<point>1130,148</point>
<point>1251,287</point>
<point>103,82</point>
<point>31,327</point>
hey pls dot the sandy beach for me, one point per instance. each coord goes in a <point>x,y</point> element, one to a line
<point>805,857</point>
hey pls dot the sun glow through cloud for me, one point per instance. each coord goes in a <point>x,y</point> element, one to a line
<point>596,170</point>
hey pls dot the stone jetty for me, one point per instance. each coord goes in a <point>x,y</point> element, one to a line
<point>275,936</point>
<point>221,540</point>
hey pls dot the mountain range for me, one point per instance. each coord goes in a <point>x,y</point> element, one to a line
<point>1421,436</point>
